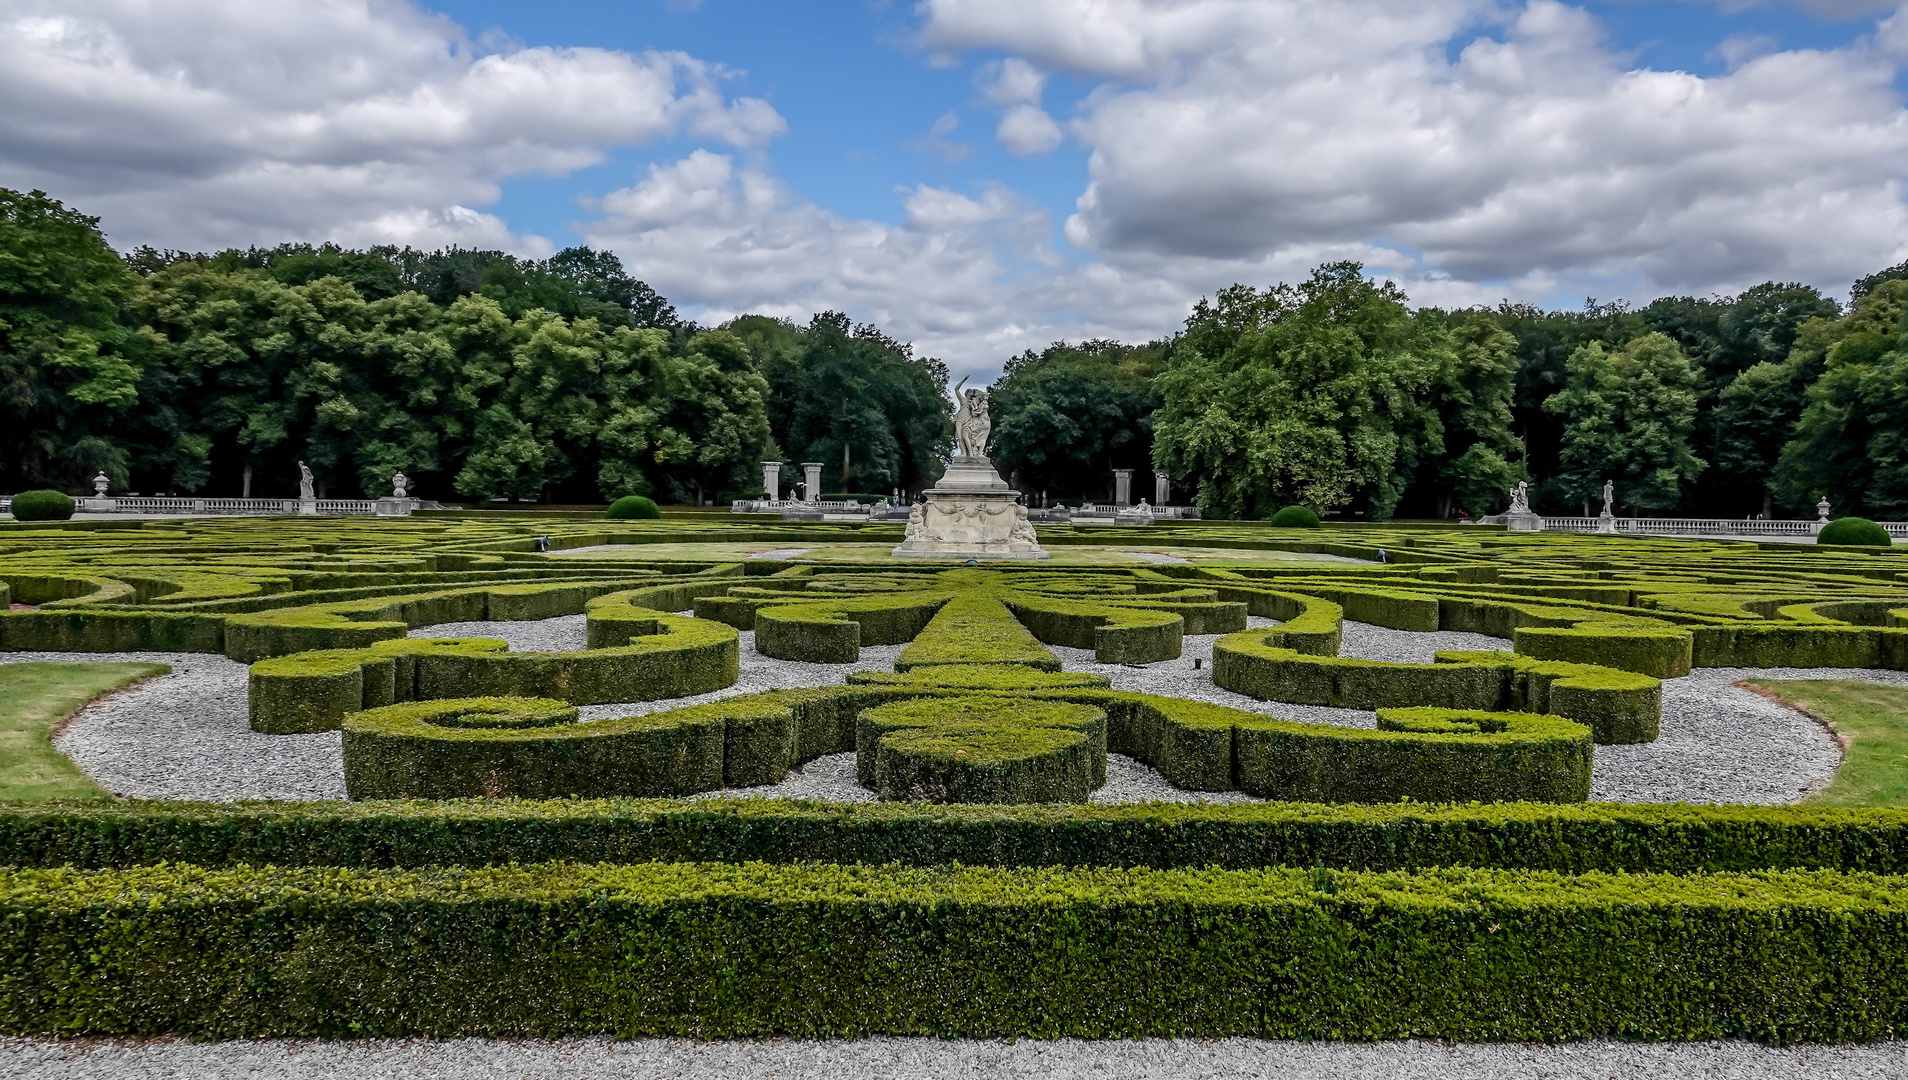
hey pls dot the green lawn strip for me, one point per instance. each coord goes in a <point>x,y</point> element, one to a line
<point>1872,720</point>
<point>37,696</point>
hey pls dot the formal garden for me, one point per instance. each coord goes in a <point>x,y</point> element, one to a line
<point>558,774</point>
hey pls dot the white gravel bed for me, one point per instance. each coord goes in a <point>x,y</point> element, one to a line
<point>185,736</point>
<point>1158,557</point>
<point>935,1059</point>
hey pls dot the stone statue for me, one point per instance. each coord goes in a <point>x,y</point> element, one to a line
<point>917,522</point>
<point>398,484</point>
<point>304,483</point>
<point>1520,498</point>
<point>1023,528</point>
<point>100,484</point>
<point>1609,497</point>
<point>971,424</point>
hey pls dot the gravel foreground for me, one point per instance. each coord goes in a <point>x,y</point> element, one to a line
<point>956,1059</point>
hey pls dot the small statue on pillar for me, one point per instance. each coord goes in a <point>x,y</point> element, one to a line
<point>399,483</point>
<point>100,484</point>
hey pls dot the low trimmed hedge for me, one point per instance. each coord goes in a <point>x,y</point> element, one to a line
<point>720,951</point>
<point>1568,838</point>
<point>1619,707</point>
<point>42,504</point>
<point>975,629</point>
<point>314,691</point>
<point>832,631</point>
<point>981,750</point>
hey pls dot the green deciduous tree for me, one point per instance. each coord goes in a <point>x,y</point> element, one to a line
<point>1067,416</point>
<point>1470,441</point>
<point>1851,441</point>
<point>1628,417</point>
<point>850,397</point>
<point>1298,394</point>
<point>69,369</point>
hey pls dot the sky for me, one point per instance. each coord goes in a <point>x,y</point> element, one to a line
<point>981,177</point>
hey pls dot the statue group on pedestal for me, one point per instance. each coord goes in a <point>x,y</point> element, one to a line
<point>971,423</point>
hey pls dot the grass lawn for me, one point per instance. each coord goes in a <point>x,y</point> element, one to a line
<point>1873,719</point>
<point>33,698</point>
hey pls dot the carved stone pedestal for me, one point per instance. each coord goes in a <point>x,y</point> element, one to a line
<point>970,514</point>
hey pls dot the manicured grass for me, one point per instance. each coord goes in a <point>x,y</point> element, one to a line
<point>1873,719</point>
<point>33,698</point>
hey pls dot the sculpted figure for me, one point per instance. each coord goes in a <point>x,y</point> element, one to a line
<point>1520,498</point>
<point>1609,497</point>
<point>304,483</point>
<point>971,423</point>
<point>917,522</point>
<point>1023,528</point>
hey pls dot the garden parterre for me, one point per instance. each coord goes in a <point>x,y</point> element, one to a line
<point>1353,909</point>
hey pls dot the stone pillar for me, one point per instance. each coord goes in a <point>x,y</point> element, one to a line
<point>811,481</point>
<point>1821,515</point>
<point>772,480</point>
<point>1162,490</point>
<point>1122,487</point>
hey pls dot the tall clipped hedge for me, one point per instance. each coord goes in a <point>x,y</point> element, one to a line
<point>750,950</point>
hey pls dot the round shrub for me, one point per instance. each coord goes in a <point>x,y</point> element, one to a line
<point>1295,517</point>
<point>1854,530</point>
<point>42,506</point>
<point>634,506</point>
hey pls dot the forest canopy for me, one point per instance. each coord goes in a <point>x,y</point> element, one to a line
<point>484,375</point>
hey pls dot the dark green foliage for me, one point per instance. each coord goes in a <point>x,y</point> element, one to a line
<point>1067,416</point>
<point>1570,838</point>
<point>1854,530</point>
<point>42,505</point>
<point>1294,517</point>
<point>69,369</point>
<point>554,949</point>
<point>875,415</point>
<point>633,506</point>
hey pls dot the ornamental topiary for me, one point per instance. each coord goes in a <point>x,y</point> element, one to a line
<point>634,506</point>
<point>42,506</point>
<point>1851,530</point>
<point>1295,517</point>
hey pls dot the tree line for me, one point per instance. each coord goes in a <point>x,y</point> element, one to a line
<point>1336,394</point>
<point>478,374</point>
<point>486,376</point>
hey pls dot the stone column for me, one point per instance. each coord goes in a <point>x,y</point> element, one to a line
<point>811,481</point>
<point>1122,487</point>
<point>1162,490</point>
<point>772,480</point>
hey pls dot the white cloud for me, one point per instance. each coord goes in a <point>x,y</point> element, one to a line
<point>210,122</point>
<point>1238,129</point>
<point>1027,129</point>
<point>1012,81</point>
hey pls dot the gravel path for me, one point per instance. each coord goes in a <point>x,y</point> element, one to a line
<point>956,1059</point>
<point>184,735</point>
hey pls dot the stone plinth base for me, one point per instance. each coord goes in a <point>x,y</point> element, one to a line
<point>1607,523</point>
<point>1523,523</point>
<point>392,506</point>
<point>970,514</point>
<point>308,507</point>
